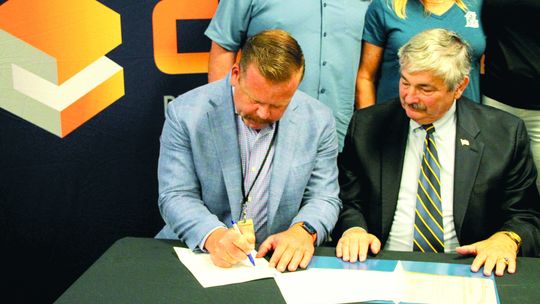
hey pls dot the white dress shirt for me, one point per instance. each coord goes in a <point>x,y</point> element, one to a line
<point>401,233</point>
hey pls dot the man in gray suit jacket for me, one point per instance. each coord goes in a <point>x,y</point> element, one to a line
<point>251,147</point>
<point>434,172</point>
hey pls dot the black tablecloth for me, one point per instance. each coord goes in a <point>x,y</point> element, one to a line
<point>145,270</point>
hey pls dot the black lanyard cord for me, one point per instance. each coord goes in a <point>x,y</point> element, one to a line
<point>246,195</point>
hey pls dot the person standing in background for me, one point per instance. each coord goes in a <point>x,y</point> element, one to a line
<point>512,65</point>
<point>390,24</point>
<point>329,33</point>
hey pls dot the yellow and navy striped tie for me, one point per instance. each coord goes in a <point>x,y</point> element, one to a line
<point>428,225</point>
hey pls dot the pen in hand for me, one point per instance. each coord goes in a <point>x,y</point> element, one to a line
<point>235,226</point>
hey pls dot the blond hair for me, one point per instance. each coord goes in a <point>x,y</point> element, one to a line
<point>400,7</point>
<point>275,52</point>
<point>440,51</point>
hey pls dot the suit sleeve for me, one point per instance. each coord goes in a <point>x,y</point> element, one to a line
<point>350,180</point>
<point>521,204</point>
<point>180,200</point>
<point>320,203</point>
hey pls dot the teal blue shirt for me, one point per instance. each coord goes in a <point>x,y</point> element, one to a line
<point>385,29</point>
<point>329,32</point>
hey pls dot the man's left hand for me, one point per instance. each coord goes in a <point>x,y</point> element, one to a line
<point>292,248</point>
<point>498,251</point>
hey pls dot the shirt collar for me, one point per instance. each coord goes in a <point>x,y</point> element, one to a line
<point>440,123</point>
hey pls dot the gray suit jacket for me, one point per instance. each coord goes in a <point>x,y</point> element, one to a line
<point>494,178</point>
<point>200,175</point>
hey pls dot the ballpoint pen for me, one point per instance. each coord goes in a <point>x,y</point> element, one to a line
<point>235,226</point>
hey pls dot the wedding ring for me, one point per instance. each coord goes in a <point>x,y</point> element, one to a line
<point>505,260</point>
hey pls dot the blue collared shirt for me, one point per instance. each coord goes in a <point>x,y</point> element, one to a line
<point>254,145</point>
<point>329,33</point>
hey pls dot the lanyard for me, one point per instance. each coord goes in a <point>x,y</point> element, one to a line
<point>246,195</point>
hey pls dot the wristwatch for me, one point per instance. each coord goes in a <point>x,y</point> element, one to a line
<point>514,237</point>
<point>309,229</point>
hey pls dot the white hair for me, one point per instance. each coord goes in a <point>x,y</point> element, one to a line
<point>440,51</point>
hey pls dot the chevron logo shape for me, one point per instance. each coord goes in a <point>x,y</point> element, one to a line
<point>53,69</point>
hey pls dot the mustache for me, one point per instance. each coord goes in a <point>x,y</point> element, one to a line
<point>416,106</point>
<point>256,119</point>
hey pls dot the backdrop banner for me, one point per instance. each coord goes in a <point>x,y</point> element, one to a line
<point>83,88</point>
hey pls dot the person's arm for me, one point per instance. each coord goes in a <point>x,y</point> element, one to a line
<point>355,241</point>
<point>520,207</point>
<point>370,61</point>
<point>180,201</point>
<point>227,30</point>
<point>320,206</point>
<point>220,62</point>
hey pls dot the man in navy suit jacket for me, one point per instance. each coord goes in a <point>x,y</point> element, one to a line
<point>207,144</point>
<point>490,205</point>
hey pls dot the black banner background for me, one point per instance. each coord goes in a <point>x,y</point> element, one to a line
<point>63,202</point>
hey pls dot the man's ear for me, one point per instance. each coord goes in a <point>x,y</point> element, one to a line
<point>461,87</point>
<point>235,74</point>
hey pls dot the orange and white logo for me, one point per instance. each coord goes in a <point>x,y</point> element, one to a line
<point>53,69</point>
<point>164,18</point>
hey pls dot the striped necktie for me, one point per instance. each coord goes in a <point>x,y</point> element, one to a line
<point>428,225</point>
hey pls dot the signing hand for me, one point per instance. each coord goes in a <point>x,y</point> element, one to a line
<point>354,243</point>
<point>228,247</point>
<point>497,251</point>
<point>292,248</point>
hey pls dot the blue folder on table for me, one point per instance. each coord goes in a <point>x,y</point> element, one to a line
<point>461,270</point>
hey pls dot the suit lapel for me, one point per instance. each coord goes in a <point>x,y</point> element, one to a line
<point>285,148</point>
<point>468,155</point>
<point>392,156</point>
<point>223,129</point>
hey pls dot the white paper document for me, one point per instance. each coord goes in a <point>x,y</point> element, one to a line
<point>208,274</point>
<point>323,282</point>
<point>320,285</point>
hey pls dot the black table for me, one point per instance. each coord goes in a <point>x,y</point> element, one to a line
<point>145,270</point>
